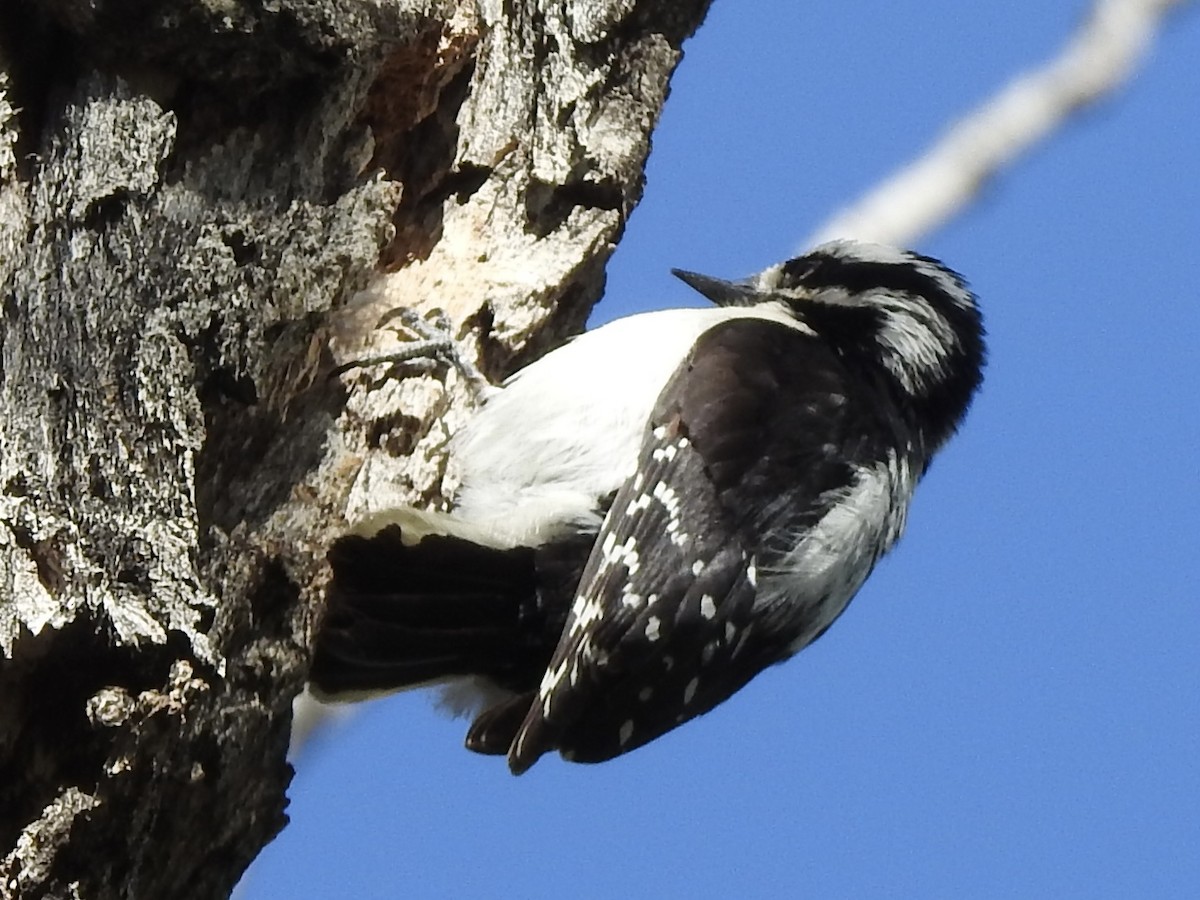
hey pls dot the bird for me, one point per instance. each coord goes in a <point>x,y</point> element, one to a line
<point>661,508</point>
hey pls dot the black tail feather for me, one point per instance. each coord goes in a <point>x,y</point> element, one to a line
<point>401,615</point>
<point>493,730</point>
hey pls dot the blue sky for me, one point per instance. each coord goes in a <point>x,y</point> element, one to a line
<point>1010,708</point>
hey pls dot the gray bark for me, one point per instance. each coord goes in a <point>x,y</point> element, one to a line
<point>204,209</point>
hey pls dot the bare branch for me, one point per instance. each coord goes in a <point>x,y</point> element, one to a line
<point>1097,59</point>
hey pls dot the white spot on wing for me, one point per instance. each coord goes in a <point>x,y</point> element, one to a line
<point>690,691</point>
<point>606,546</point>
<point>626,732</point>
<point>666,453</point>
<point>587,609</point>
<point>630,555</point>
<point>708,608</point>
<point>652,628</point>
<point>667,496</point>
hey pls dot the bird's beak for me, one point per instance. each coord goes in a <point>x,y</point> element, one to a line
<point>722,293</point>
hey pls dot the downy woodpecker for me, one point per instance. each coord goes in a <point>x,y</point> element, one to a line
<point>658,510</point>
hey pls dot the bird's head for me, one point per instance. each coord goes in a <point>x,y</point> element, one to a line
<point>884,310</point>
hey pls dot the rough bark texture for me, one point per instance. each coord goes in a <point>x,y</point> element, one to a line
<point>205,207</point>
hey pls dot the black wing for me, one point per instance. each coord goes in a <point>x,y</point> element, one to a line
<point>750,443</point>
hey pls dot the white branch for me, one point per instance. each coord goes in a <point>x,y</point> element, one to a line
<point>1098,58</point>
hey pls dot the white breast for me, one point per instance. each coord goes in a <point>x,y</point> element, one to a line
<point>565,430</point>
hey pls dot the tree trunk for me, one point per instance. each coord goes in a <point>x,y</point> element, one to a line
<point>205,209</point>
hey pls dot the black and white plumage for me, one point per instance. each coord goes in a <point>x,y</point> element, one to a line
<point>655,512</point>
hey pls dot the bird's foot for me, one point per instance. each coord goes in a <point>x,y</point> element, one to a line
<point>434,345</point>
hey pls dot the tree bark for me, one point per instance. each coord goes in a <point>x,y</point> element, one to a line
<point>205,209</point>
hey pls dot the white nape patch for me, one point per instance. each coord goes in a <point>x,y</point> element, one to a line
<point>626,732</point>
<point>689,692</point>
<point>652,625</point>
<point>831,561</point>
<point>708,608</point>
<point>917,341</point>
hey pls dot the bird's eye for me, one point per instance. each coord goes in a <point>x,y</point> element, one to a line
<point>798,271</point>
